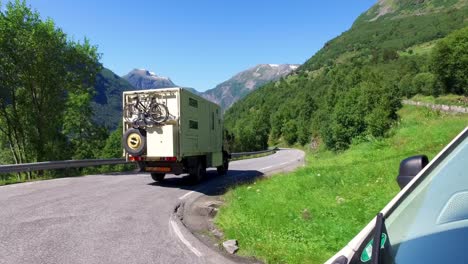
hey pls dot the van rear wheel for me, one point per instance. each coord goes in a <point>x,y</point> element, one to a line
<point>158,176</point>
<point>223,169</point>
<point>197,173</point>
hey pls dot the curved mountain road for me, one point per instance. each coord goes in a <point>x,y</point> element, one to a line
<point>114,218</point>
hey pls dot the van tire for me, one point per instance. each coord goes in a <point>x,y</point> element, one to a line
<point>198,172</point>
<point>158,177</point>
<point>223,169</point>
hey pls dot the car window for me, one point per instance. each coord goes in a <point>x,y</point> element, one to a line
<point>431,224</point>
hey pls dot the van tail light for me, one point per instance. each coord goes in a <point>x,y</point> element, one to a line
<point>172,159</point>
<point>135,158</point>
<point>139,158</point>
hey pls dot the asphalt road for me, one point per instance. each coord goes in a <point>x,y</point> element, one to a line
<point>119,218</point>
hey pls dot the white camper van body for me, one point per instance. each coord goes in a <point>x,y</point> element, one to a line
<point>192,133</point>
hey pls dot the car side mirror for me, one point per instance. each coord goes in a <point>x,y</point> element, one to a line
<point>409,168</point>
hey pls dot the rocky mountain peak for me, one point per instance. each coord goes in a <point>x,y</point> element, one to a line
<point>394,9</point>
<point>145,79</point>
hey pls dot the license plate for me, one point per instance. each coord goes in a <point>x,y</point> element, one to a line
<point>159,169</point>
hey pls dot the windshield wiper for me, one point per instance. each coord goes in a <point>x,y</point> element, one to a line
<point>376,245</point>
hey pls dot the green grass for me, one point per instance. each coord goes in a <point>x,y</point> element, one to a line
<point>419,49</point>
<point>450,99</point>
<point>308,215</point>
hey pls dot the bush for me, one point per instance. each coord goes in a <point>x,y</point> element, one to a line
<point>378,122</point>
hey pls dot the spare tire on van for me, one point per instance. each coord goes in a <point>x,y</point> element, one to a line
<point>134,142</point>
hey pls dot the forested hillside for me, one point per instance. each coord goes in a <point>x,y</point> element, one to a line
<point>351,89</point>
<point>107,101</point>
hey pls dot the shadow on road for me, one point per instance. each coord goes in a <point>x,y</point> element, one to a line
<point>212,184</point>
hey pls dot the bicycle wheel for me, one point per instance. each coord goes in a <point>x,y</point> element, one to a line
<point>159,113</point>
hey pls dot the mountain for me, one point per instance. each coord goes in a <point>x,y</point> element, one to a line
<point>228,92</point>
<point>107,102</point>
<point>395,9</point>
<point>392,25</point>
<point>144,79</point>
<point>351,89</point>
<point>224,94</point>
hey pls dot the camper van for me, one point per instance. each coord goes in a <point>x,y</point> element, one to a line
<point>173,131</point>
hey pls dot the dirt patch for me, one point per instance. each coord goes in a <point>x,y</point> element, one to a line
<point>384,8</point>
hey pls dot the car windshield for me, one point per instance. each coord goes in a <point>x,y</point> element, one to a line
<point>431,224</point>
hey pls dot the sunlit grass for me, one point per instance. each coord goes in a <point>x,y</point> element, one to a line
<point>419,49</point>
<point>308,215</point>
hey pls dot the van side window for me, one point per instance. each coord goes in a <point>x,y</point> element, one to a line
<point>193,124</point>
<point>212,120</point>
<point>193,103</point>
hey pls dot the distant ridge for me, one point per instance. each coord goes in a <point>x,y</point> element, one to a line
<point>241,84</point>
<point>224,94</point>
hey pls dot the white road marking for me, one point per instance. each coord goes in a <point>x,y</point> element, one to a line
<point>279,165</point>
<point>176,229</point>
<point>186,195</point>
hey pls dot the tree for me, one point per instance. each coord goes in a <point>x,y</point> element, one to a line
<point>450,62</point>
<point>289,132</point>
<point>113,144</point>
<point>389,54</point>
<point>86,139</point>
<point>42,72</point>
<point>424,83</point>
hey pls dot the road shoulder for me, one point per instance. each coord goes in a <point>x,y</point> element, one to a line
<point>196,211</point>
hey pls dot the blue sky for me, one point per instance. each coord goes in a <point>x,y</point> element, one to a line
<point>200,43</point>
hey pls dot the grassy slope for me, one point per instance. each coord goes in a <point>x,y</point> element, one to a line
<point>308,215</point>
<point>420,49</point>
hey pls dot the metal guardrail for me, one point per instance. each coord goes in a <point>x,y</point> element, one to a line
<point>243,154</point>
<point>65,164</point>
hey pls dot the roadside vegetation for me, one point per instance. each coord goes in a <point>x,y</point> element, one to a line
<point>345,102</point>
<point>46,89</point>
<point>308,215</point>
